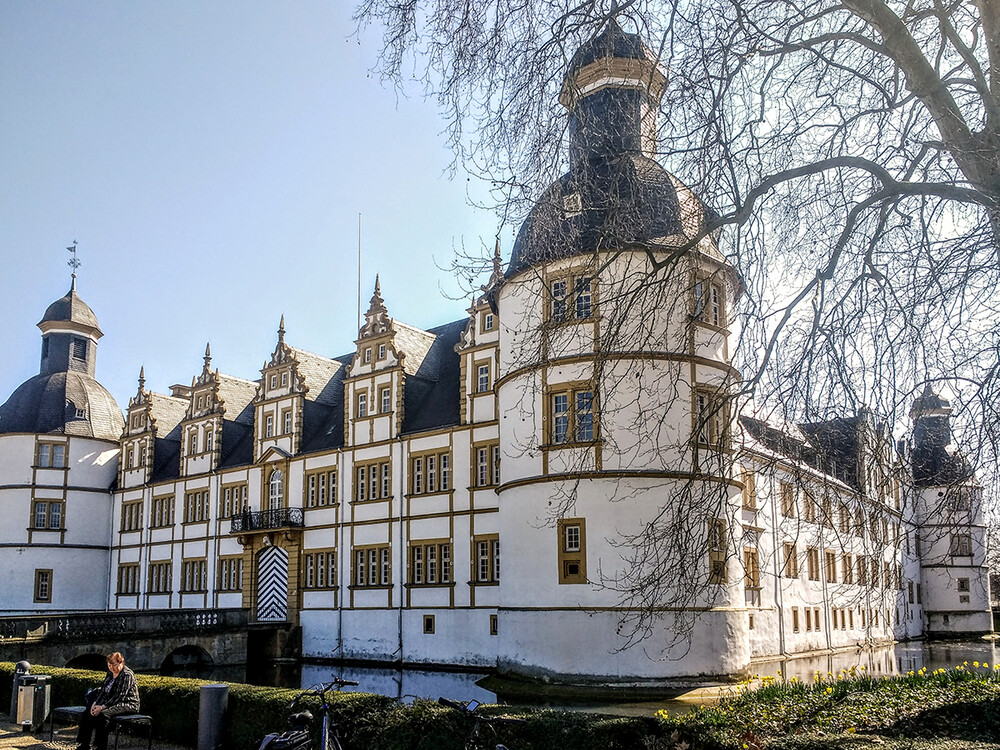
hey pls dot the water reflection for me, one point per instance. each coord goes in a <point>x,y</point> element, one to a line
<point>403,684</point>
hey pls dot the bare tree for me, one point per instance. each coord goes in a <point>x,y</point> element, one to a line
<point>849,153</point>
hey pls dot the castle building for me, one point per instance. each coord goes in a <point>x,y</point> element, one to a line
<point>554,484</point>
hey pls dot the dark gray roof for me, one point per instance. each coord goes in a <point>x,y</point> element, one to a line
<point>71,308</point>
<point>612,42</point>
<point>238,395</point>
<point>49,403</point>
<point>318,372</point>
<point>626,199</point>
<point>432,396</point>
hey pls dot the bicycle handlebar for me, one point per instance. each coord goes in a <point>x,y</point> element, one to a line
<point>322,689</point>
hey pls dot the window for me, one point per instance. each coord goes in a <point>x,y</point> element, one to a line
<point>812,563</point>
<point>572,551</point>
<point>196,506</point>
<point>712,420</point>
<point>430,563</point>
<point>276,490</point>
<point>494,625</point>
<point>128,579</point>
<point>43,586</point>
<point>808,508</point>
<point>286,422</point>
<point>320,569</point>
<point>830,561</point>
<point>859,522</point>
<point>487,465</point>
<point>385,397</point>
<point>193,442</point>
<point>233,501</point>
<point>791,558</point>
<point>230,573</point>
<point>274,381</point>
<point>963,584</point>
<point>430,472</point>
<point>482,378</point>
<point>320,489</point>
<point>486,558</point>
<point>209,439</point>
<point>362,405</point>
<point>201,402</point>
<point>372,481</point>
<point>131,515</point>
<point>371,566</point>
<point>47,514</point>
<point>749,480</point>
<point>79,349</point>
<point>848,569</point>
<point>51,456</point>
<point>194,576</point>
<point>845,519</point>
<point>808,619</point>
<point>428,624</point>
<point>284,378</point>
<point>159,580</point>
<point>558,288</point>
<point>162,513</point>
<point>795,619</point>
<point>787,500</point>
<point>367,357</point>
<point>45,347</point>
<point>709,304</point>
<point>583,289</point>
<point>816,618</point>
<point>269,425</point>
<point>381,351</point>
<point>572,416</point>
<point>488,321</point>
<point>716,543</point>
<point>827,505</point>
<point>751,568</point>
<point>961,545</point>
<point>580,306</point>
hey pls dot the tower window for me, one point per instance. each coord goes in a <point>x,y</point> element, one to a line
<point>45,347</point>
<point>79,349</point>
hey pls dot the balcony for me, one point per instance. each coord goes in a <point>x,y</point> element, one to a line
<point>265,520</point>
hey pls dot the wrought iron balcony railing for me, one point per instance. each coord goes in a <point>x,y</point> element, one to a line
<point>262,520</point>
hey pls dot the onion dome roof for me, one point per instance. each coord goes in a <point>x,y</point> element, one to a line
<point>612,42</point>
<point>72,403</point>
<point>70,309</point>
<point>627,199</point>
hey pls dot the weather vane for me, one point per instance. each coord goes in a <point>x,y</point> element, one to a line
<point>73,262</point>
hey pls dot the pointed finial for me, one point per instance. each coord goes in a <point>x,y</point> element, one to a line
<point>281,330</point>
<point>208,358</point>
<point>73,263</point>
<point>378,287</point>
<point>497,260</point>
<point>142,377</point>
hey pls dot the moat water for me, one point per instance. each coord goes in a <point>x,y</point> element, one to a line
<point>408,684</point>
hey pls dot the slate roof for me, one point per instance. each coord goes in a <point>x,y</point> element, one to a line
<point>612,42</point>
<point>319,373</point>
<point>70,308</point>
<point>415,343</point>
<point>48,404</point>
<point>238,394</point>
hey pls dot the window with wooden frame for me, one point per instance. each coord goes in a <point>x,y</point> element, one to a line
<point>194,576</point>
<point>128,579</point>
<point>486,465</point>
<point>385,400</point>
<point>269,426</point>
<point>430,472</point>
<point>571,297</point>
<point>430,563</point>
<point>790,559</point>
<point>362,402</point>
<point>716,545</point>
<point>711,414</point>
<point>320,489</point>
<point>812,563</point>
<point>159,580</point>
<point>482,377</point>
<point>709,302</point>
<point>79,349</point>
<point>830,566</point>
<point>572,550</point>
<point>488,321</point>
<point>372,566</point>
<point>43,585</point>
<point>319,569</point>
<point>47,514</point>
<point>51,456</point>
<point>961,545</point>
<point>795,619</point>
<point>286,421</point>
<point>787,500</point>
<point>749,480</point>
<point>381,351</point>
<point>131,515</point>
<point>845,519</point>
<point>808,507</point>
<point>193,441</point>
<point>233,500</point>
<point>275,490</point>
<point>486,558</point>
<point>196,508</point>
<point>826,504</point>
<point>230,573</point>
<point>571,414</point>
<point>372,481</point>
<point>162,512</point>
<point>847,568</point>
<point>751,568</point>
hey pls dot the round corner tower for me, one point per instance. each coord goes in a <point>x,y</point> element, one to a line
<point>618,500</point>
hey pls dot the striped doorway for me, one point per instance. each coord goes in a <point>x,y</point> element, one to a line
<point>272,585</point>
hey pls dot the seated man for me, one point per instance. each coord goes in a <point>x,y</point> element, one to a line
<point>118,695</point>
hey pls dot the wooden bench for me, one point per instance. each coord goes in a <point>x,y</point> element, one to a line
<point>73,714</point>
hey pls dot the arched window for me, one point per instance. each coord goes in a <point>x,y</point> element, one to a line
<point>275,490</point>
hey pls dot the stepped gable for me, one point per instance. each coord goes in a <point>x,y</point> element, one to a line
<point>432,395</point>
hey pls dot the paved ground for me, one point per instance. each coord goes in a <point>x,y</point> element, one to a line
<point>12,738</point>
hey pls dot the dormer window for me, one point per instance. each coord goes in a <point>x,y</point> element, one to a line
<point>709,303</point>
<point>81,413</point>
<point>79,349</point>
<point>284,379</point>
<point>367,355</point>
<point>488,322</point>
<point>136,421</point>
<point>274,381</point>
<point>201,402</point>
<point>381,351</point>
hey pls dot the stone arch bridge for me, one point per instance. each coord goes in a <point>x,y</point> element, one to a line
<point>216,644</point>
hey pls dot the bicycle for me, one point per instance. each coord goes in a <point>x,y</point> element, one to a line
<point>469,708</point>
<point>298,737</point>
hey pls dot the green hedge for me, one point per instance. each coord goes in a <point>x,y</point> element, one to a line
<point>365,720</point>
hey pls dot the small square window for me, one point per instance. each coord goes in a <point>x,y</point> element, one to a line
<point>963,584</point>
<point>429,624</point>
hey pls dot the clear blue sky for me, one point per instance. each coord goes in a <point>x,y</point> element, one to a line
<point>211,159</point>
